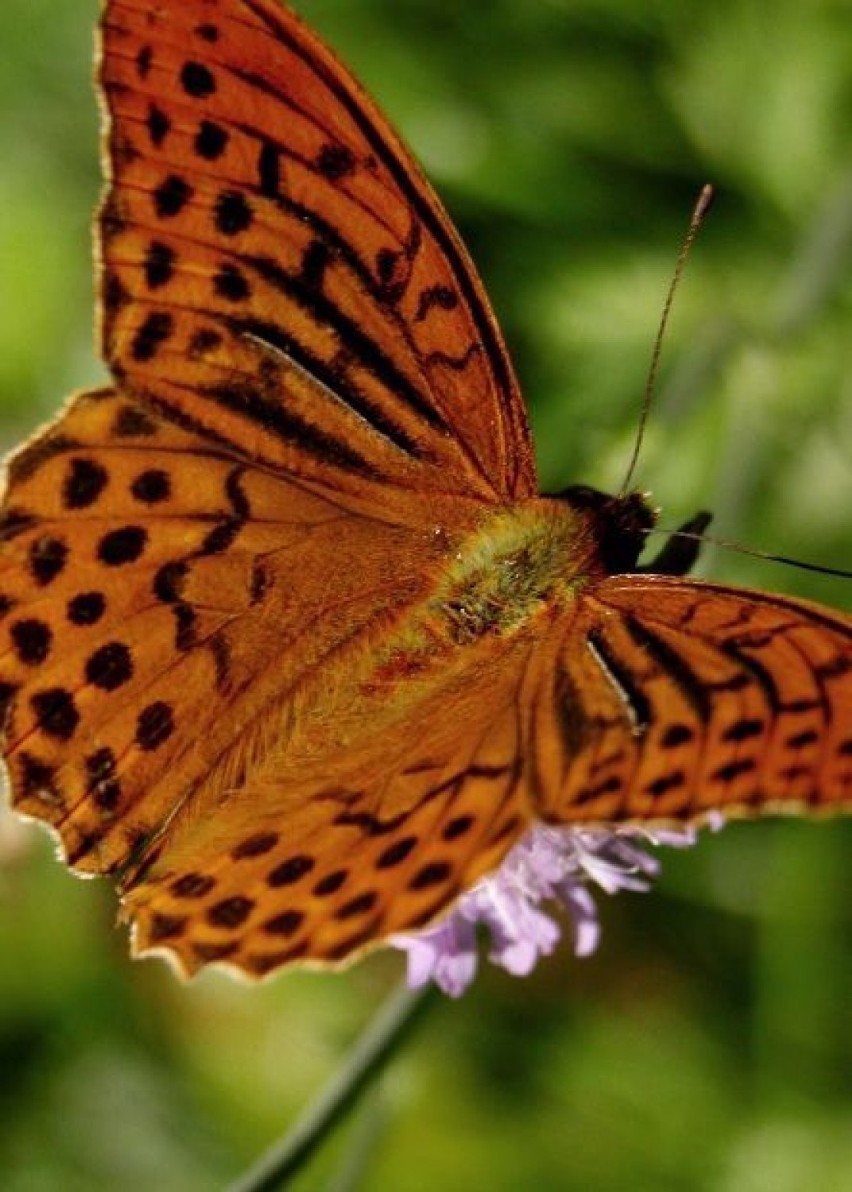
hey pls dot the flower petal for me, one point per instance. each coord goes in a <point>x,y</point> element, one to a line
<point>554,864</point>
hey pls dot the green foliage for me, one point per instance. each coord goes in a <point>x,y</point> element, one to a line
<point>707,1046</point>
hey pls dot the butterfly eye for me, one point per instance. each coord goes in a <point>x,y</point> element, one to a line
<point>620,524</point>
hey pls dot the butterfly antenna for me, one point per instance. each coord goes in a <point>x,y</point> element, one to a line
<point>701,208</point>
<point>768,556</point>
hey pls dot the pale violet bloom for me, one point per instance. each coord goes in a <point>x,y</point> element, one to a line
<point>553,865</point>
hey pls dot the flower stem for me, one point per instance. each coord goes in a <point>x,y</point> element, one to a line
<point>364,1063</point>
<point>367,1134</point>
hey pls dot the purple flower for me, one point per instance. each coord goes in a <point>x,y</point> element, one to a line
<point>549,864</point>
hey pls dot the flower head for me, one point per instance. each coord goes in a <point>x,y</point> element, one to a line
<point>554,865</point>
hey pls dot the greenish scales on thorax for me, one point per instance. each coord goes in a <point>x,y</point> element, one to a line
<point>541,551</point>
<point>492,584</point>
<point>478,612</point>
<point>505,571</point>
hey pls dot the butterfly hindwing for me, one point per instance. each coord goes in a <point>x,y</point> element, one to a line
<point>320,854</point>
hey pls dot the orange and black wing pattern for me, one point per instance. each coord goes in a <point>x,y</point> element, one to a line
<point>277,273</point>
<point>666,700</point>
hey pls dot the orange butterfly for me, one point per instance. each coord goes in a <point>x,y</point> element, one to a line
<point>292,647</point>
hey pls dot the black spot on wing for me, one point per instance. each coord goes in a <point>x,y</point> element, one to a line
<point>211,140</point>
<point>31,639</point>
<point>158,125</point>
<point>171,196</point>
<point>197,80</point>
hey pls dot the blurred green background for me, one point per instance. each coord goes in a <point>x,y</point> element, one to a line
<point>708,1045</point>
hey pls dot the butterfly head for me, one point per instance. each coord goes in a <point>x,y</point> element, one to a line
<point>621,524</point>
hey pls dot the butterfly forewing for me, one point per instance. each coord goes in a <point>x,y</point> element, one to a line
<point>666,699</point>
<point>167,613</point>
<point>278,273</point>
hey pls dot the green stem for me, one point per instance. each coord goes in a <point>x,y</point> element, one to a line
<point>364,1063</point>
<point>366,1137</point>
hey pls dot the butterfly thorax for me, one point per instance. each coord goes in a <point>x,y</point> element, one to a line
<point>538,552</point>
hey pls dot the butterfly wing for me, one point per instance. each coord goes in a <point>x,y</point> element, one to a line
<point>216,584</point>
<point>669,699</point>
<point>648,701</point>
<point>342,847</point>
<point>208,675</point>
<point>157,596</point>
<point>278,274</point>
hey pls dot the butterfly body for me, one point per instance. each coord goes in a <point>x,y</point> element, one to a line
<point>289,643</point>
<point>538,552</point>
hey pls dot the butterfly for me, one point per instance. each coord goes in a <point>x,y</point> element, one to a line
<point>292,647</point>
